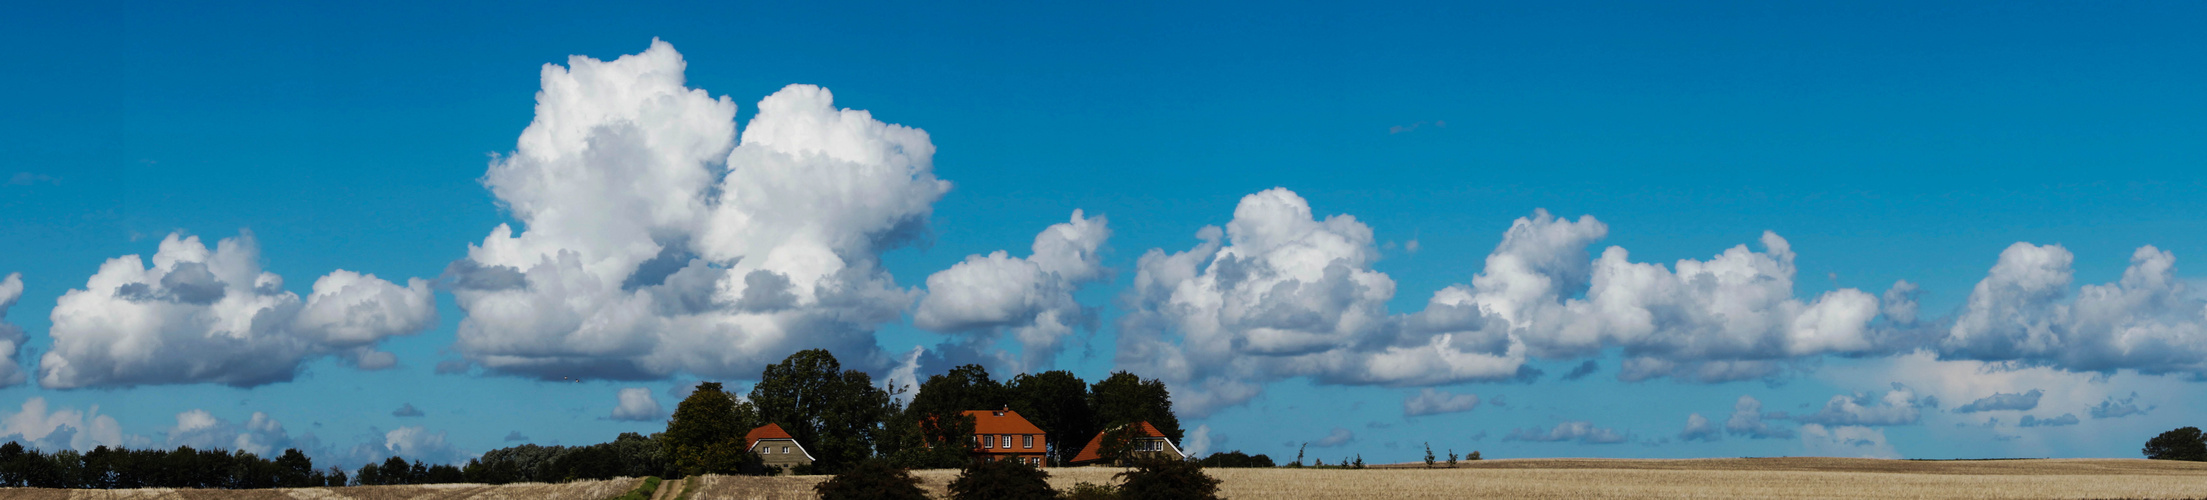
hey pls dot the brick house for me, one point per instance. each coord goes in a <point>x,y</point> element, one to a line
<point>1004,435</point>
<point>777,448</point>
<point>1148,441</point>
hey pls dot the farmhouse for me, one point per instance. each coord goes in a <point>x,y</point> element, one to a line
<point>1004,435</point>
<point>777,448</point>
<point>1148,441</point>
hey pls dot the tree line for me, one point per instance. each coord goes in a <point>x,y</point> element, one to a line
<point>840,415</point>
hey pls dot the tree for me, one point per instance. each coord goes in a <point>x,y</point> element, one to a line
<point>967,387</point>
<point>1125,398</point>
<point>293,468</point>
<point>871,479</point>
<point>705,435</point>
<point>1164,478</point>
<point>1236,458</point>
<point>835,413</point>
<point>1118,443</point>
<point>1002,479</point>
<point>1299,456</point>
<point>2181,444</point>
<point>1429,456</point>
<point>1451,458</point>
<point>1056,401</point>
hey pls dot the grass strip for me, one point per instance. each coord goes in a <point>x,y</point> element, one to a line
<point>642,491</point>
<point>689,484</point>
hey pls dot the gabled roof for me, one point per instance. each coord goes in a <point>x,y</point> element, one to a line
<point>1001,422</point>
<point>1094,450</point>
<point>768,431</point>
<point>771,431</point>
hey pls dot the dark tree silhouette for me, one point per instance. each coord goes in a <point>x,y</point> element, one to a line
<point>871,479</point>
<point>1167,479</point>
<point>1056,401</point>
<point>1125,398</point>
<point>1002,479</point>
<point>2181,444</point>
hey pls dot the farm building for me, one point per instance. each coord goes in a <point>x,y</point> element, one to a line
<point>1004,435</point>
<point>777,448</point>
<point>1148,441</point>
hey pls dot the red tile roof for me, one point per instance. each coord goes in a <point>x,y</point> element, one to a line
<point>768,431</point>
<point>1001,422</point>
<point>1094,450</point>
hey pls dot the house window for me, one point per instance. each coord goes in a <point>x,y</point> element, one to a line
<point>1007,441</point>
<point>1029,442</point>
<point>986,442</point>
<point>769,451</point>
<point>785,450</point>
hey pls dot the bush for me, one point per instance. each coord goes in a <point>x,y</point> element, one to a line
<point>642,491</point>
<point>2180,444</point>
<point>871,479</point>
<point>1234,459</point>
<point>1092,491</point>
<point>1164,478</point>
<point>1006,479</point>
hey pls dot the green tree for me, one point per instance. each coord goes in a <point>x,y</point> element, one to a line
<point>963,388</point>
<point>1056,401</point>
<point>871,479</point>
<point>1002,479</point>
<point>1126,398</point>
<point>1429,456</point>
<point>705,435</point>
<point>1162,478</point>
<point>2181,444</point>
<point>837,414</point>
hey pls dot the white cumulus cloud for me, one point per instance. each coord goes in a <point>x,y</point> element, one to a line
<point>1030,298</point>
<point>2148,321</point>
<point>1698,428</point>
<point>54,429</point>
<point>1431,402</point>
<point>213,316</point>
<point>638,405</point>
<point>1899,406</point>
<point>1582,432</point>
<point>259,435</point>
<point>653,241</point>
<point>1846,441</point>
<point>1749,420</point>
<point>11,336</point>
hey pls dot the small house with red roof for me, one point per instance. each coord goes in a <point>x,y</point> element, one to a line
<point>1148,441</point>
<point>1004,435</point>
<point>777,448</point>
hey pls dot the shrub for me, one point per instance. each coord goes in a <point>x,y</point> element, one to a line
<point>871,479</point>
<point>642,491</point>
<point>1163,479</point>
<point>1235,459</point>
<point>2180,444</point>
<point>1092,491</point>
<point>1005,479</point>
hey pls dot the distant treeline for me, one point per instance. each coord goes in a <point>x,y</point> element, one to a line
<point>839,415</point>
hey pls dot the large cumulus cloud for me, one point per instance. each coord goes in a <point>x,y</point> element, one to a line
<point>652,241</point>
<point>213,316</point>
<point>1030,298</point>
<point>1281,294</point>
<point>2148,321</point>
<point>11,336</point>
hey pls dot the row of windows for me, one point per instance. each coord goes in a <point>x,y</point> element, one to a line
<point>770,450</point>
<point>1025,440</point>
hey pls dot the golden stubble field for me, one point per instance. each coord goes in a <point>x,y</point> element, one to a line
<point>1527,478</point>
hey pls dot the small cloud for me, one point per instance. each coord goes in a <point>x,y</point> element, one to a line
<point>453,366</point>
<point>1748,420</point>
<point>1432,402</point>
<point>1581,371</point>
<point>2113,408</point>
<point>637,405</point>
<point>1583,432</point>
<point>515,436</point>
<point>27,178</point>
<point>1412,246</point>
<point>1698,428</point>
<point>1338,437</point>
<point>406,410</point>
<point>1846,441</point>
<point>2063,420</point>
<point>1398,129</point>
<point>1899,406</point>
<point>1999,401</point>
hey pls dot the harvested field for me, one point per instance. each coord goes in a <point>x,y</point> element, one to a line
<point>580,490</point>
<point>1532,478</point>
<point>1603,478</point>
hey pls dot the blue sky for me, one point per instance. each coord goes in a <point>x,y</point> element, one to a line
<point>1881,142</point>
